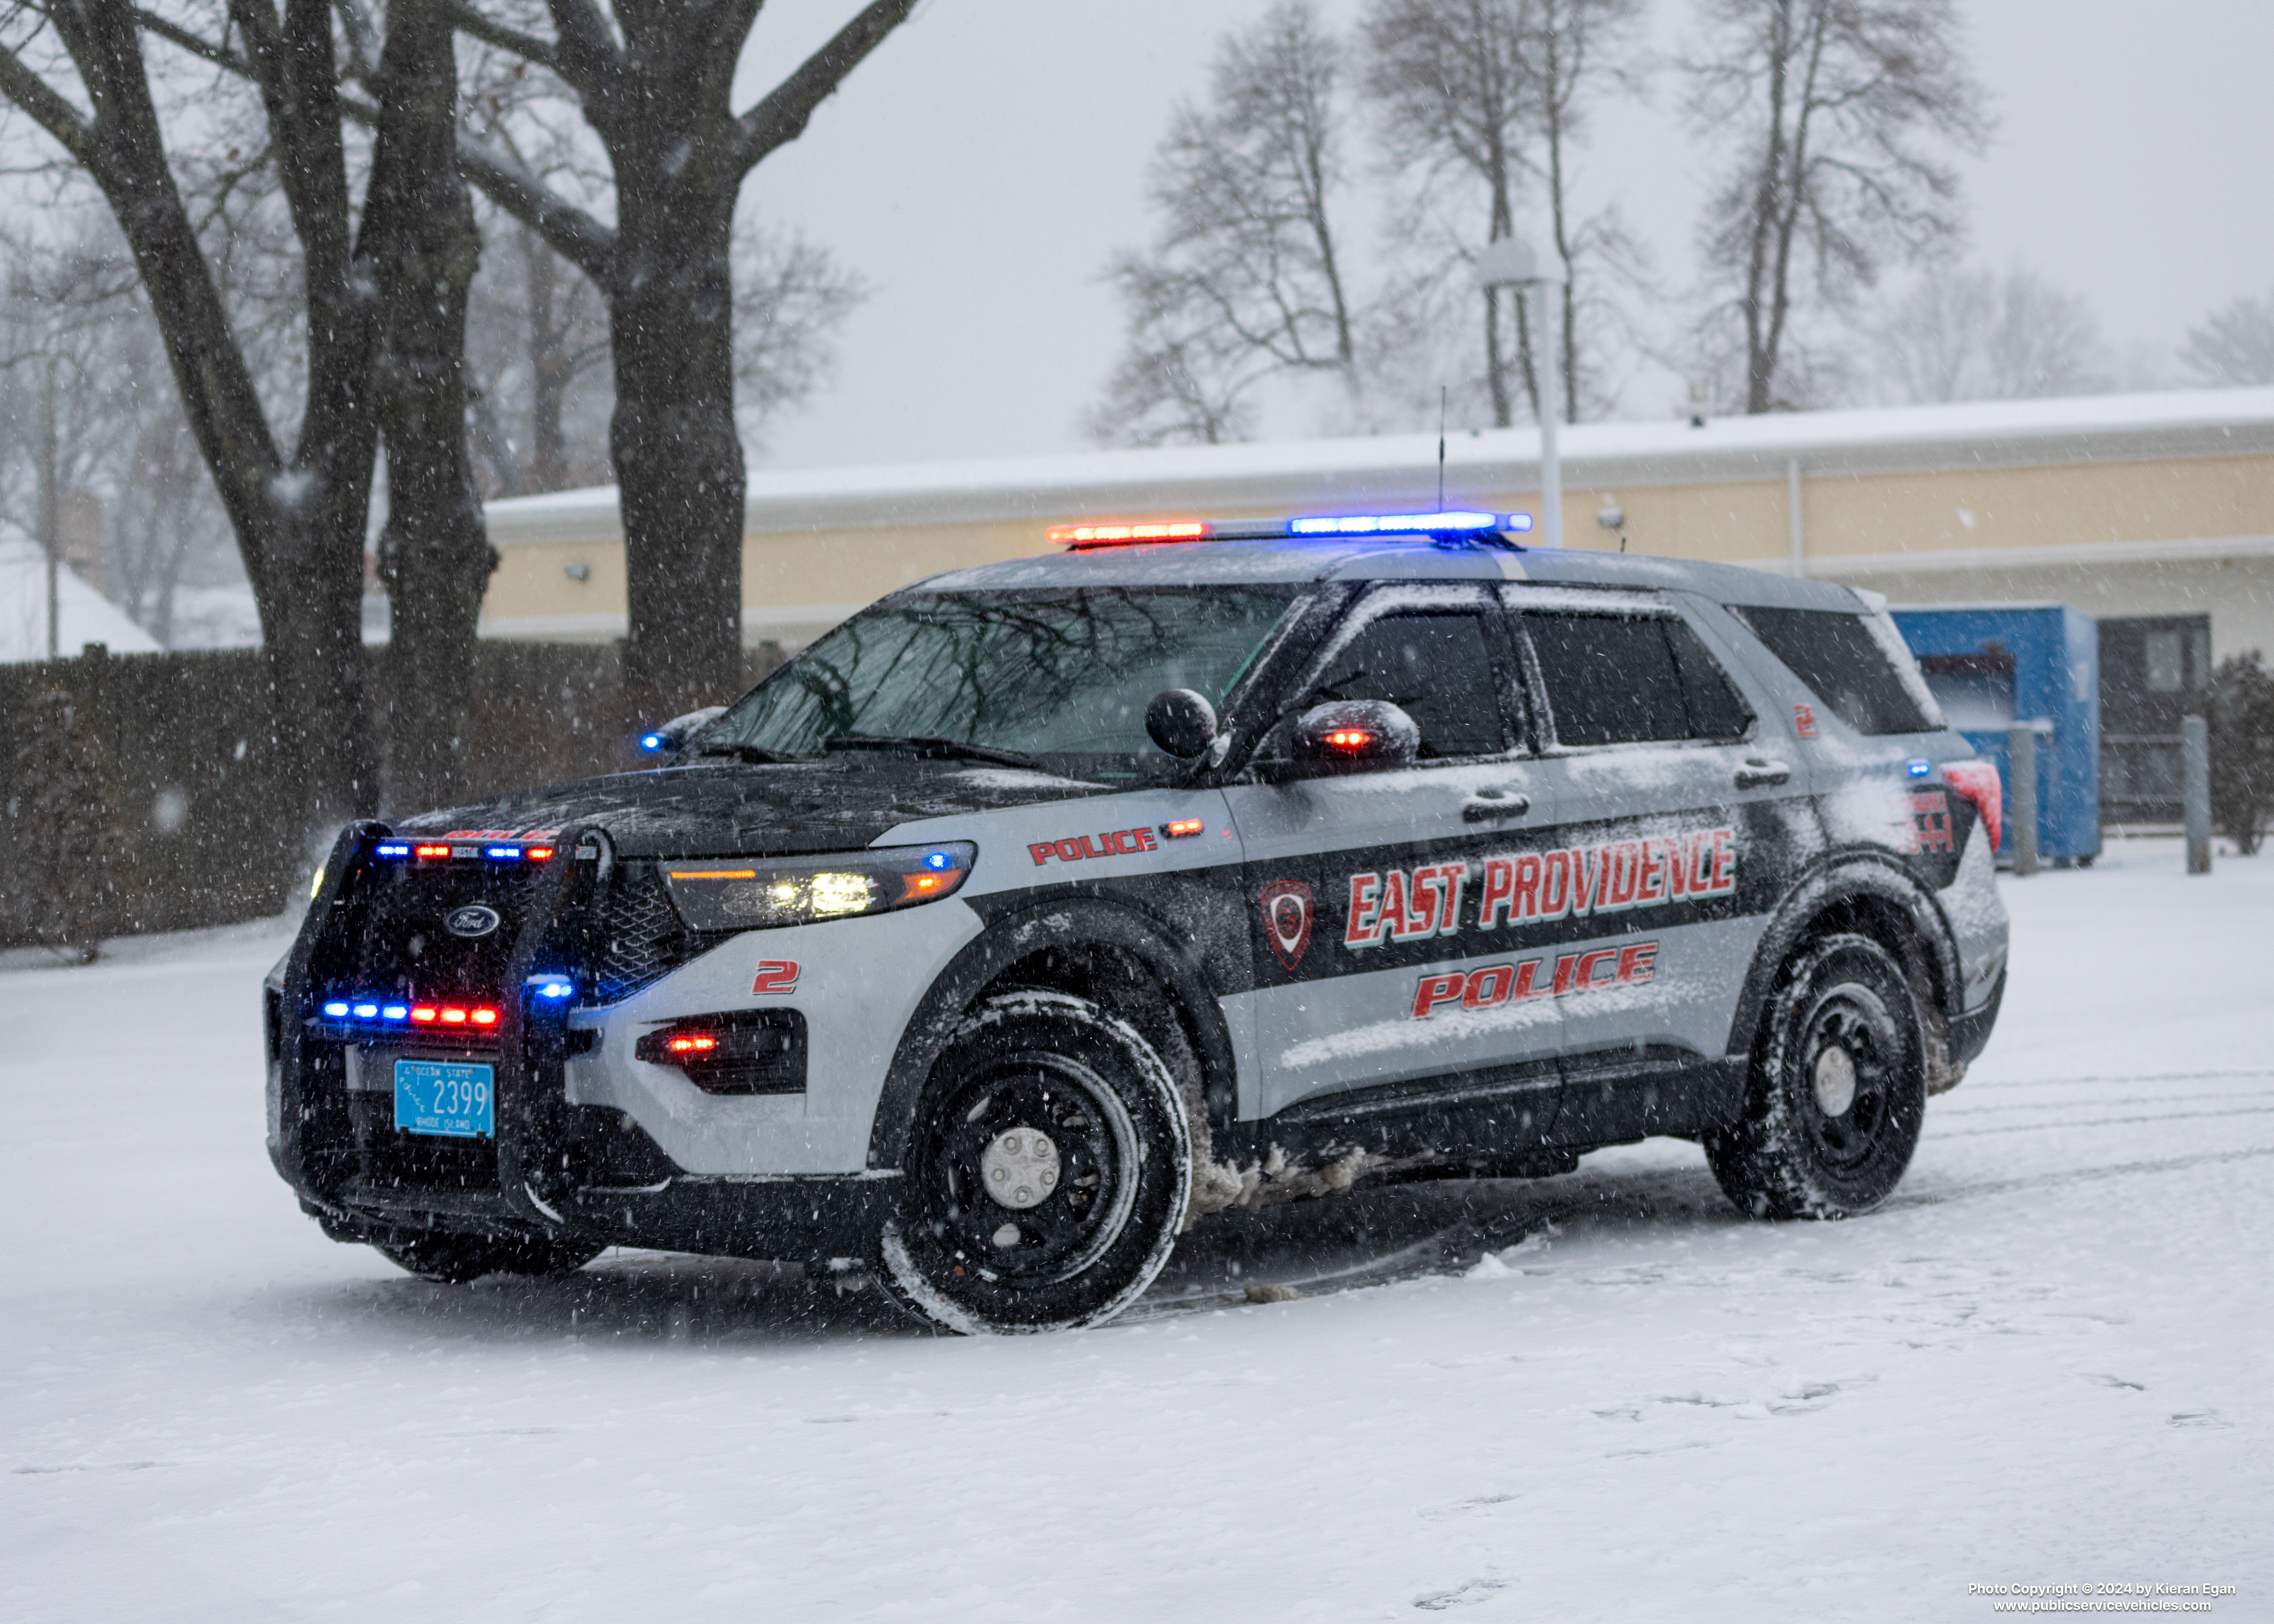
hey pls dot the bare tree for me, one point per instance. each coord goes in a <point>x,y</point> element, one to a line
<point>1458,99</point>
<point>79,70</point>
<point>2234,346</point>
<point>1964,335</point>
<point>654,81</point>
<point>434,553</point>
<point>88,413</point>
<point>1246,279</point>
<point>1834,114</point>
<point>1499,94</point>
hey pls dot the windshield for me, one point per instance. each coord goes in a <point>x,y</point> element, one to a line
<point>1045,673</point>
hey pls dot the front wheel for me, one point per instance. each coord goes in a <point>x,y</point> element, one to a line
<point>1838,1090</point>
<point>1048,1175</point>
<point>453,1258</point>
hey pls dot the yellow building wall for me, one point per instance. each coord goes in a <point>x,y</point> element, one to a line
<point>1736,521</point>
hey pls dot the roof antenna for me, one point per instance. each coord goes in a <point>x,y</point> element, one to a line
<point>1440,447</point>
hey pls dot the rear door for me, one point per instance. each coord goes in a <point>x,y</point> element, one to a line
<point>1365,887</point>
<point>1682,814</point>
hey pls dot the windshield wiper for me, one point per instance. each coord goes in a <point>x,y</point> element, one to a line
<point>757,753</point>
<point>924,745</point>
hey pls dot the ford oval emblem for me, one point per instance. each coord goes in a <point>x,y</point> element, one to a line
<point>473,920</point>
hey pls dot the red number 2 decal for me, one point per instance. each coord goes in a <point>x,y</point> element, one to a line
<point>776,975</point>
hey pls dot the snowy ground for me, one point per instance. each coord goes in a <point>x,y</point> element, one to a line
<point>1602,1396</point>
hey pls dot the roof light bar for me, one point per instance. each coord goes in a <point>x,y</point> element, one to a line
<point>1394,525</point>
<point>1081,536</point>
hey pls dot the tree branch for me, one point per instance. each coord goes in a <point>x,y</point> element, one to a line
<point>203,49</point>
<point>781,116</point>
<point>585,53</point>
<point>526,46</point>
<point>568,229</point>
<point>49,110</point>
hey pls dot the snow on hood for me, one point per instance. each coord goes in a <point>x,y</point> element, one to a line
<point>708,811</point>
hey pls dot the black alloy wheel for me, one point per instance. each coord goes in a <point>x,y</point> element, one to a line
<point>1838,1090</point>
<point>1048,1173</point>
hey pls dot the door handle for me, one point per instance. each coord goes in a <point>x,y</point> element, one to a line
<point>1758,772</point>
<point>1489,805</point>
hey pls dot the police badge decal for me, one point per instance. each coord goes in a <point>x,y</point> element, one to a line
<point>1287,912</point>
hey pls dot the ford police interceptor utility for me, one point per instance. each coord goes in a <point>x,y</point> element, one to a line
<point>1044,907</point>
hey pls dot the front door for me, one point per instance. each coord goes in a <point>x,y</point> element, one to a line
<point>1366,887</point>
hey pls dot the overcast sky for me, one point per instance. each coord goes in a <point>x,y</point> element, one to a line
<point>980,167</point>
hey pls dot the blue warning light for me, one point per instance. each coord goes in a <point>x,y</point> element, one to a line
<point>939,859</point>
<point>652,742</point>
<point>336,1010</point>
<point>1919,769</point>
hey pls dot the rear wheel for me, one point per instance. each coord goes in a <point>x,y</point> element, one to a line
<point>1048,1173</point>
<point>453,1258</point>
<point>1838,1090</point>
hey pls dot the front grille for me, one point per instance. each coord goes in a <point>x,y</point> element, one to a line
<point>394,943</point>
<point>641,938</point>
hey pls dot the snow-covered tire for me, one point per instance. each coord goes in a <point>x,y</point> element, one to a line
<point>1048,1174</point>
<point>454,1259</point>
<point>1842,1030</point>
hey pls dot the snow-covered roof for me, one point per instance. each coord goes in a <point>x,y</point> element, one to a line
<point>83,614</point>
<point>1288,476</point>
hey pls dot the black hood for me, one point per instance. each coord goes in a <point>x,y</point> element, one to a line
<point>839,804</point>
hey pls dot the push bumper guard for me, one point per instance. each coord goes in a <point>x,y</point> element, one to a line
<point>560,1170</point>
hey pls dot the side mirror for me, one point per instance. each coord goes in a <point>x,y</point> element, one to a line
<point>1356,736</point>
<point>674,734</point>
<point>1181,722</point>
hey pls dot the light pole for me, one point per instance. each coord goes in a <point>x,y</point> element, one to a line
<point>1508,262</point>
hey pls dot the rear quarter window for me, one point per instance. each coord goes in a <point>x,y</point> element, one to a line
<point>1848,664</point>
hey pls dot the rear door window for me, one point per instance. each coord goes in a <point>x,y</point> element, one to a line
<point>1845,663</point>
<point>1614,678</point>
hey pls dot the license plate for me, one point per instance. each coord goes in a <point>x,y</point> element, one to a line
<point>445,1097</point>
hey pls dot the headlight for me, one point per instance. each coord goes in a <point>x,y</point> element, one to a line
<point>757,895</point>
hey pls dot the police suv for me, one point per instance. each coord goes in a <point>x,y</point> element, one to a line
<point>1042,908</point>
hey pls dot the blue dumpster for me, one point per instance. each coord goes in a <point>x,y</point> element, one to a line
<point>1994,667</point>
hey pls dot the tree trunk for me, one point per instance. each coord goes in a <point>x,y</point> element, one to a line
<point>434,554</point>
<point>678,458</point>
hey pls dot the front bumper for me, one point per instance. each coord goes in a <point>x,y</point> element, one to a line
<point>557,1166</point>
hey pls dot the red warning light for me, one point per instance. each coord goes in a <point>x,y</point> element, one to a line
<point>1177,828</point>
<point>425,1012</point>
<point>433,850</point>
<point>692,1043</point>
<point>1116,535</point>
<point>453,1016</point>
<point>483,1017</point>
<point>536,853</point>
<point>1350,738</point>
